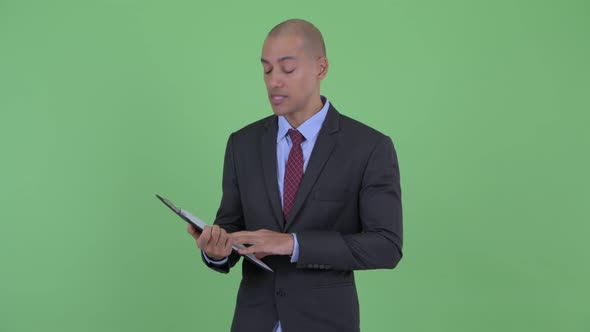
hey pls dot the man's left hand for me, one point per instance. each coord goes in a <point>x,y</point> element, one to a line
<point>264,242</point>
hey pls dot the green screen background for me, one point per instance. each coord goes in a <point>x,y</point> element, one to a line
<point>105,103</point>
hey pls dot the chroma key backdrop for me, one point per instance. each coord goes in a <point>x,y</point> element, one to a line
<point>104,104</point>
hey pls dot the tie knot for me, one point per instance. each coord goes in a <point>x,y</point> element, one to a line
<point>296,136</point>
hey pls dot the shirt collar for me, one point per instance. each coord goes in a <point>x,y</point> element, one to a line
<point>310,128</point>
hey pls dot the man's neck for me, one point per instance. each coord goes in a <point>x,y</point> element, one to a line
<point>297,118</point>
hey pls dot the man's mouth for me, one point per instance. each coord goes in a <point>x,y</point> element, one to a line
<point>277,99</point>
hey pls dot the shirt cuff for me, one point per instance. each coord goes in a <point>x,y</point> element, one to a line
<point>295,255</point>
<point>209,260</point>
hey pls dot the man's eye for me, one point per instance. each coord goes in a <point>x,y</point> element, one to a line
<point>267,71</point>
<point>289,71</point>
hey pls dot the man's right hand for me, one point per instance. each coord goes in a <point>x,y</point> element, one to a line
<point>213,241</point>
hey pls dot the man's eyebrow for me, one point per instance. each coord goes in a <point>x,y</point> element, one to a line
<point>287,57</point>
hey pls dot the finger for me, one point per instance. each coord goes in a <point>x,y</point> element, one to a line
<point>236,235</point>
<point>193,231</point>
<point>261,255</point>
<point>250,250</point>
<point>203,240</point>
<point>223,237</point>
<point>208,230</point>
<point>228,245</point>
<point>244,237</point>
<point>215,233</point>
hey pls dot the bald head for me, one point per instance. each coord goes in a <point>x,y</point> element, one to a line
<point>312,39</point>
<point>294,62</point>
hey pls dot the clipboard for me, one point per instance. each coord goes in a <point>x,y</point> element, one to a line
<point>200,225</point>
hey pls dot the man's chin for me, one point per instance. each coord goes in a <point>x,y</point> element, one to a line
<point>279,110</point>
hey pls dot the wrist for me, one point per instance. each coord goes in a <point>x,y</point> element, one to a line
<point>214,258</point>
<point>291,243</point>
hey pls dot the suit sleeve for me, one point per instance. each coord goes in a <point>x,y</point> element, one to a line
<point>229,215</point>
<point>379,245</point>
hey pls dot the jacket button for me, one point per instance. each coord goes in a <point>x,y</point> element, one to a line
<point>281,293</point>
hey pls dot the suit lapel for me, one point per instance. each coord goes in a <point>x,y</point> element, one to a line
<point>322,150</point>
<point>268,152</point>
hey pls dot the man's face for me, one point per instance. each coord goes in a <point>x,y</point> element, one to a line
<point>290,74</point>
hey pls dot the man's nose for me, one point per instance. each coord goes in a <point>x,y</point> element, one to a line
<point>275,81</point>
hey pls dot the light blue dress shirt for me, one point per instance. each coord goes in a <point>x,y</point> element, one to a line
<point>310,130</point>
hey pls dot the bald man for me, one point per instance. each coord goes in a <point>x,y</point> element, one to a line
<point>314,193</point>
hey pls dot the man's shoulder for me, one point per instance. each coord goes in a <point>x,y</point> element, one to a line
<point>359,130</point>
<point>255,129</point>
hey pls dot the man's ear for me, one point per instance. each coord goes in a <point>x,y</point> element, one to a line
<point>323,67</point>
